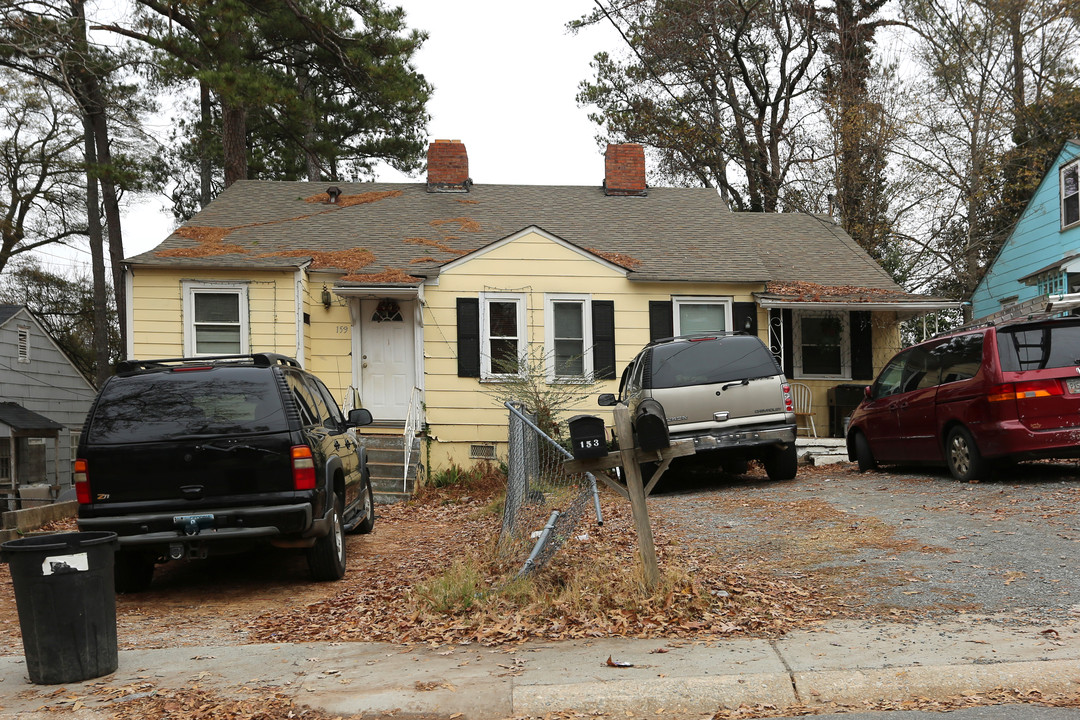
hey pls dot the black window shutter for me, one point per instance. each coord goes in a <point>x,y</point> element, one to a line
<point>603,336</point>
<point>660,322</point>
<point>862,348</point>
<point>740,313</point>
<point>789,343</point>
<point>468,337</point>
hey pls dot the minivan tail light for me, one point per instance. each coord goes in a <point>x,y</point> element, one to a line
<point>303,468</point>
<point>1025,390</point>
<point>82,482</point>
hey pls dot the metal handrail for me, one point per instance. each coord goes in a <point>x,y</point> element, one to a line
<point>412,422</point>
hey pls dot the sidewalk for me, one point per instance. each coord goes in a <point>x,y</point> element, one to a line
<point>844,662</point>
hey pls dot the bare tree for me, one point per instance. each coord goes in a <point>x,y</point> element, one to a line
<point>40,167</point>
<point>720,88</point>
<point>977,82</point>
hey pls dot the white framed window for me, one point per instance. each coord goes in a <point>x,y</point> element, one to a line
<point>1070,194</point>
<point>568,337</point>
<point>701,314</point>
<point>502,334</point>
<point>822,344</point>
<point>24,343</point>
<point>215,319</point>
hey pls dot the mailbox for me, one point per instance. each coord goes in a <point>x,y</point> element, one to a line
<point>587,438</point>
<point>650,426</point>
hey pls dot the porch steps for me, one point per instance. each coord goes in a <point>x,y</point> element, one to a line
<point>386,462</point>
<point>821,450</point>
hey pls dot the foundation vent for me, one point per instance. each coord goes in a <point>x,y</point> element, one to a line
<point>482,452</point>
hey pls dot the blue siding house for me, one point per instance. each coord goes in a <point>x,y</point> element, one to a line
<point>1042,254</point>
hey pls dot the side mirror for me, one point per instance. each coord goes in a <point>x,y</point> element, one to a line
<point>867,392</point>
<point>360,416</point>
<point>607,400</point>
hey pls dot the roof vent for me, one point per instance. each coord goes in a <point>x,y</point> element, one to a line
<point>448,167</point>
<point>335,193</point>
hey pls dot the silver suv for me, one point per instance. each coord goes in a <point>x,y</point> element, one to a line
<point>724,391</point>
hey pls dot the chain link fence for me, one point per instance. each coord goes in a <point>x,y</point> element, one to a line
<point>545,504</point>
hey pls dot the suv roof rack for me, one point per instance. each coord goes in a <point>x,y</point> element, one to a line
<point>254,359</point>
<point>699,336</point>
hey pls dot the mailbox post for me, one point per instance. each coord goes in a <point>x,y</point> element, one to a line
<point>591,455</point>
<point>636,489</point>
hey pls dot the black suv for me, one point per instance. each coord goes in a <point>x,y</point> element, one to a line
<point>191,456</point>
<point>725,392</point>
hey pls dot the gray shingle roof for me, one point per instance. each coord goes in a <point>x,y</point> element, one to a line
<point>17,417</point>
<point>672,234</point>
<point>8,311</point>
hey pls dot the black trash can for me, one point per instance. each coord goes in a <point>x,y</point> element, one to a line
<point>67,604</point>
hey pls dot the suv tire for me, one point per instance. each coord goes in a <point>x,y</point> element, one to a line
<point>962,454</point>
<point>863,455</point>
<point>782,463</point>
<point>132,571</point>
<point>367,511</point>
<point>326,558</point>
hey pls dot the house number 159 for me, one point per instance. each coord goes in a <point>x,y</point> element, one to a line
<point>342,329</point>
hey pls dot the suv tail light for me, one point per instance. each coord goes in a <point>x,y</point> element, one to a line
<point>1025,390</point>
<point>789,402</point>
<point>303,468</point>
<point>82,482</point>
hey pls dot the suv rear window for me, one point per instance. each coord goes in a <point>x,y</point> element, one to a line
<point>702,362</point>
<point>170,405</point>
<point>1037,347</point>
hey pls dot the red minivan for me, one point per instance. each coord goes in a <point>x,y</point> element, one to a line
<point>1008,391</point>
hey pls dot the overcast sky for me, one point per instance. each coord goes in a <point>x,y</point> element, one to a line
<point>505,77</point>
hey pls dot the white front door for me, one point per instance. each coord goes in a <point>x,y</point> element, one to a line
<point>386,363</point>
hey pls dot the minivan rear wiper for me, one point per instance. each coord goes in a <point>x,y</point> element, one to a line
<point>744,381</point>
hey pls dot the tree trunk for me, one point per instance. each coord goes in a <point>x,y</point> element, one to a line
<point>206,168</point>
<point>92,103</point>
<point>234,142</point>
<point>1019,96</point>
<point>97,259</point>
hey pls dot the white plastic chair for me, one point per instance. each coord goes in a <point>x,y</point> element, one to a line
<point>800,394</point>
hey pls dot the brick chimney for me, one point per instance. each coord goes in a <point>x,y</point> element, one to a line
<point>448,167</point>
<point>624,169</point>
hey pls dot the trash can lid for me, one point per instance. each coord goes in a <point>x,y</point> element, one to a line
<point>58,541</point>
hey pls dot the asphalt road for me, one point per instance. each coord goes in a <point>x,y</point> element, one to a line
<point>901,542</point>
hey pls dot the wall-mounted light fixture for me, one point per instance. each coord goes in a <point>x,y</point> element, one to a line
<point>326,298</point>
<point>748,324</point>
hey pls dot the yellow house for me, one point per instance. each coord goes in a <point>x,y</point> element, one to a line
<point>404,297</point>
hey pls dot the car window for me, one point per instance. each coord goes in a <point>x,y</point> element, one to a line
<point>638,378</point>
<point>710,361</point>
<point>624,381</point>
<point>891,378</point>
<point>1037,347</point>
<point>302,395</point>
<point>960,357</point>
<point>333,411</point>
<point>921,369</point>
<point>322,413</point>
<point>168,405</point>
